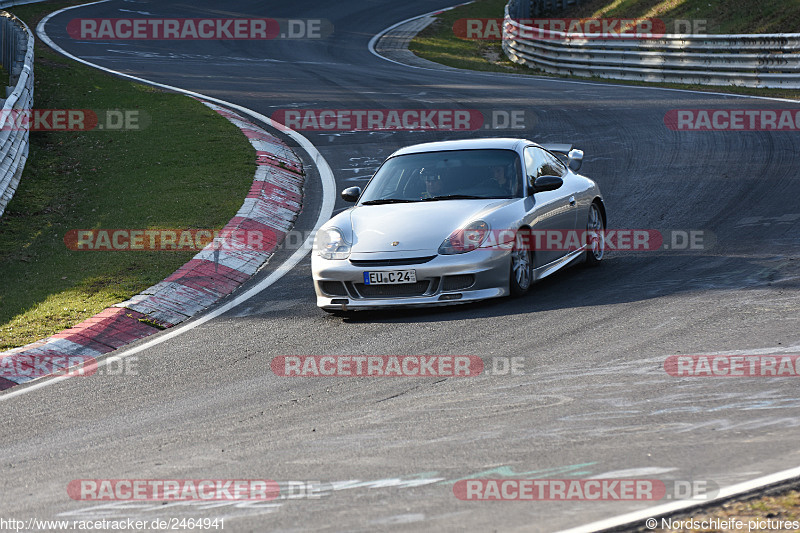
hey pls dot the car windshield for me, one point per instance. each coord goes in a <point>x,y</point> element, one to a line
<point>447,175</point>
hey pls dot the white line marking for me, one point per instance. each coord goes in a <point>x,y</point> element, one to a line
<point>377,37</point>
<point>328,198</point>
<point>669,508</point>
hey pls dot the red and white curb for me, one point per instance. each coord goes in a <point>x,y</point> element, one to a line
<point>271,206</point>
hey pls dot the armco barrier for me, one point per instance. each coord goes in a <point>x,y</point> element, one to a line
<point>17,59</point>
<point>765,61</point>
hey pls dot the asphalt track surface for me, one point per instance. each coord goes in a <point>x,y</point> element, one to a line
<point>594,398</point>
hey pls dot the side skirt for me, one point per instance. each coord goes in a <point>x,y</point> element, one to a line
<point>545,270</point>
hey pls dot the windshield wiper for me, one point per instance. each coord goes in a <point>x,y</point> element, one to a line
<point>387,201</point>
<point>454,197</point>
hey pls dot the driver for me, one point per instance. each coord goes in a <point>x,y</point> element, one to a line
<point>433,183</point>
<point>500,180</point>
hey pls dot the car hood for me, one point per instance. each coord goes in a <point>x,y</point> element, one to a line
<point>419,226</point>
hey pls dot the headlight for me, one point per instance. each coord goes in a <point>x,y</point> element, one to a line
<point>330,244</point>
<point>465,239</point>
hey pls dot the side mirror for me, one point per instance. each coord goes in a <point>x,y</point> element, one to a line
<point>351,194</point>
<point>547,183</point>
<point>575,159</point>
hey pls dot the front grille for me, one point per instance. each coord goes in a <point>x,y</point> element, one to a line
<point>457,283</point>
<point>390,262</point>
<point>333,288</point>
<point>393,291</point>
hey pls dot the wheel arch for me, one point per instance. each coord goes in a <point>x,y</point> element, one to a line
<point>599,201</point>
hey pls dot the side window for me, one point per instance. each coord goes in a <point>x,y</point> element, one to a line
<point>554,166</point>
<point>539,162</point>
<point>534,161</point>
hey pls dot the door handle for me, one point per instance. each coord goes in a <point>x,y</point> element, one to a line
<point>572,200</point>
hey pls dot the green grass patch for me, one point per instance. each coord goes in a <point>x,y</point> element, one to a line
<point>188,168</point>
<point>438,43</point>
<point>730,16</point>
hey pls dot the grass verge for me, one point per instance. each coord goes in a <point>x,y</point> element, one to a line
<point>730,16</point>
<point>438,43</point>
<point>186,168</point>
<point>757,515</point>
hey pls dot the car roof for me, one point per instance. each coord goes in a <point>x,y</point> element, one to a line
<point>465,144</point>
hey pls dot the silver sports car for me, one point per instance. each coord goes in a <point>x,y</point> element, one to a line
<point>458,221</point>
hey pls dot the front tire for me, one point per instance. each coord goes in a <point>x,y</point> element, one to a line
<point>595,236</point>
<point>520,277</point>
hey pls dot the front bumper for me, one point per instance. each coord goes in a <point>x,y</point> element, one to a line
<point>442,280</point>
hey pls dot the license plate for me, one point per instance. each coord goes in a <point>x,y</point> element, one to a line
<point>392,277</point>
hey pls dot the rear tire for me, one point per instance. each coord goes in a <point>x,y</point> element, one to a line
<point>595,236</point>
<point>520,277</point>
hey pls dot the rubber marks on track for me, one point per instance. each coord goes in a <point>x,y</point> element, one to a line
<point>271,206</point>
